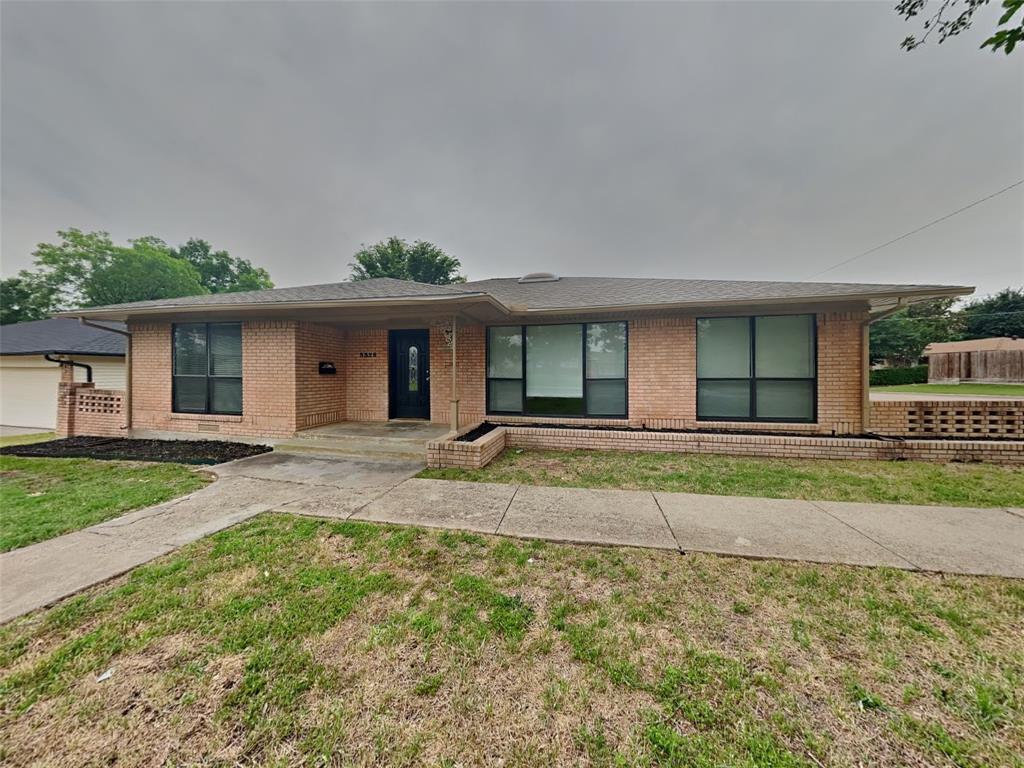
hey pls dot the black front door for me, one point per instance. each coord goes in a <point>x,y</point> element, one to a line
<point>409,374</point>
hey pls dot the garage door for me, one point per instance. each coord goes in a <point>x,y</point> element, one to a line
<point>28,396</point>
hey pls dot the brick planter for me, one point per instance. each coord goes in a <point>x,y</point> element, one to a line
<point>449,453</point>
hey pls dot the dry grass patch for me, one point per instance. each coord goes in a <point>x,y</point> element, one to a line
<point>297,641</point>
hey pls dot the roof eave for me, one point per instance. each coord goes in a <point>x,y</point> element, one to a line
<point>123,313</point>
<point>904,298</point>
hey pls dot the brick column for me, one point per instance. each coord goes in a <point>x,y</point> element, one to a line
<point>67,392</point>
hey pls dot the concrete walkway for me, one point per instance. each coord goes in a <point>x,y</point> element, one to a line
<point>43,573</point>
<point>948,539</point>
<point>954,540</point>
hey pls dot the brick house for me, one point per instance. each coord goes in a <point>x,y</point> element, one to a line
<point>660,354</point>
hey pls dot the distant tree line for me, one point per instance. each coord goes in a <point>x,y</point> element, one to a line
<point>899,339</point>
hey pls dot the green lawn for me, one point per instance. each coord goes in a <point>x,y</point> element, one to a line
<point>1016,390</point>
<point>43,498</point>
<point>903,482</point>
<point>295,641</point>
<point>39,437</point>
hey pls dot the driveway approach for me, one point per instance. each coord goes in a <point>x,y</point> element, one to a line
<point>949,539</point>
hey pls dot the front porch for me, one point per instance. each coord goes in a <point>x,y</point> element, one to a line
<point>404,439</point>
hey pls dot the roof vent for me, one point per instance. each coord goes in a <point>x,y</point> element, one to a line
<point>539,277</point>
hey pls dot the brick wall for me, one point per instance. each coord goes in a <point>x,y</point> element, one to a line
<point>446,453</point>
<point>366,374</point>
<point>983,419</point>
<point>470,358</point>
<point>283,392</point>
<point>84,410</point>
<point>663,377</point>
<point>268,382</point>
<point>319,398</point>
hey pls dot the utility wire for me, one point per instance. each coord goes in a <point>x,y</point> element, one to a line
<point>915,231</point>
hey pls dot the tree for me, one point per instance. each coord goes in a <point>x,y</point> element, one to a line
<point>999,315</point>
<point>951,18</point>
<point>901,338</point>
<point>219,271</point>
<point>24,298</point>
<point>87,269</point>
<point>141,273</point>
<point>394,257</point>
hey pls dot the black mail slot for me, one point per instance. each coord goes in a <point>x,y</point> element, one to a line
<point>327,369</point>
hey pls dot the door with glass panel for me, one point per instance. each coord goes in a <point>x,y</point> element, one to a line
<point>409,374</point>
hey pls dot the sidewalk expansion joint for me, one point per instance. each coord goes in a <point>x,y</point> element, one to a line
<point>855,529</point>
<point>679,547</point>
<point>507,507</point>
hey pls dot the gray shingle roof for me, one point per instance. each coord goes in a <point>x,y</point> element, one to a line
<point>62,336</point>
<point>580,292</point>
<point>377,288</point>
<point>569,293</point>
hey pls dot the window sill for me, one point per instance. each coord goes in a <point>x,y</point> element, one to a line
<point>221,417</point>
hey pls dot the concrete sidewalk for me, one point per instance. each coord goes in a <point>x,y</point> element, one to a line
<point>41,574</point>
<point>949,539</point>
<point>954,540</point>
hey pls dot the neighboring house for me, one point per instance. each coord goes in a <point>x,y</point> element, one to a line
<point>28,380</point>
<point>996,360</point>
<point>671,354</point>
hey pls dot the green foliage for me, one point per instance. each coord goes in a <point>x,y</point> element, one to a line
<point>949,23</point>
<point>421,261</point>
<point>89,269</point>
<point>999,315</point>
<point>24,298</point>
<point>43,498</point>
<point>890,377</point>
<point>220,272</point>
<point>901,338</point>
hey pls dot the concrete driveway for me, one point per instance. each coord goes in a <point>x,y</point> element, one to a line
<point>954,540</point>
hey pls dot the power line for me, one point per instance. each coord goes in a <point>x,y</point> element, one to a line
<point>915,231</point>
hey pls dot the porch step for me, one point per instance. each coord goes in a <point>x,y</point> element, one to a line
<point>355,446</point>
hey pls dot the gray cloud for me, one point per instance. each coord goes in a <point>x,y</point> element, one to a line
<point>731,140</point>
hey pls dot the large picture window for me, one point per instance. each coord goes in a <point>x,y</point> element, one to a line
<point>756,368</point>
<point>576,369</point>
<point>207,365</point>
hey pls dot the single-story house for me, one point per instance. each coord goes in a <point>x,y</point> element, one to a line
<point>639,352</point>
<point>33,355</point>
<point>995,360</point>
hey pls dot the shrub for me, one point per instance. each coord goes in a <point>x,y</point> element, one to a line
<point>888,377</point>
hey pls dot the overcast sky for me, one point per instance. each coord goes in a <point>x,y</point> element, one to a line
<point>763,140</point>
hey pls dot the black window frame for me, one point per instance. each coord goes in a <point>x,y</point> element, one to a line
<point>753,378</point>
<point>208,376</point>
<point>583,373</point>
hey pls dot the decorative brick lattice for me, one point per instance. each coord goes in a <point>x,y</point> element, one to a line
<point>991,419</point>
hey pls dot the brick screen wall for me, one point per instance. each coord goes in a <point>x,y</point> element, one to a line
<point>979,419</point>
<point>84,410</point>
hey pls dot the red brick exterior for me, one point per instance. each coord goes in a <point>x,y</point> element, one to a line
<point>283,391</point>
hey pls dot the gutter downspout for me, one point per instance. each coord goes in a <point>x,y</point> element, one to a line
<point>88,368</point>
<point>865,336</point>
<point>127,368</point>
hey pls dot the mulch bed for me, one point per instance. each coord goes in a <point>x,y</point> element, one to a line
<point>476,432</point>
<point>119,448</point>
